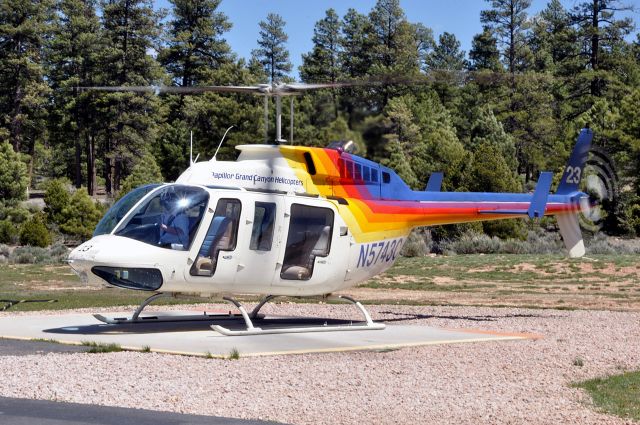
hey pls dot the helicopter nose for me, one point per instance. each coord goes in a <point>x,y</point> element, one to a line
<point>81,259</point>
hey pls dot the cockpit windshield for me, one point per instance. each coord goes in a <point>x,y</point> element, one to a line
<point>168,219</point>
<point>121,208</point>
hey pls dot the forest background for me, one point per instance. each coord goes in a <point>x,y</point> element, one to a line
<point>491,119</point>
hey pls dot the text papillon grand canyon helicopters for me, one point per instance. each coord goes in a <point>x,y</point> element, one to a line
<point>287,220</point>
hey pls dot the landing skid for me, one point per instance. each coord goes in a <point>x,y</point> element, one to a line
<point>136,318</point>
<point>252,330</point>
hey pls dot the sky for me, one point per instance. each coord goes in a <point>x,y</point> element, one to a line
<point>460,17</point>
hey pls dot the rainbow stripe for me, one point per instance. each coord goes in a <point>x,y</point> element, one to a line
<point>382,210</point>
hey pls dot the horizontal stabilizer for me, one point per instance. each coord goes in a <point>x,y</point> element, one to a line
<point>435,182</point>
<point>571,234</point>
<point>538,201</point>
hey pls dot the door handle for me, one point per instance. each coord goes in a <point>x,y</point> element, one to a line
<point>227,257</point>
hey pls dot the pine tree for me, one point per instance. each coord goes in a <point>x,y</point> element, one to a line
<point>487,130</point>
<point>508,20</point>
<point>130,28</point>
<point>272,52</point>
<point>355,59</point>
<point>484,53</point>
<point>72,62</point>
<point>447,54</point>
<point>24,26</point>
<point>600,32</point>
<point>554,40</point>
<point>395,50</point>
<point>196,47</point>
<point>322,64</point>
<point>13,176</point>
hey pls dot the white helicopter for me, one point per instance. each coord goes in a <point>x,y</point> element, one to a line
<point>287,220</point>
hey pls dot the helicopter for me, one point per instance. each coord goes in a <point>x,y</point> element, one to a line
<point>294,221</point>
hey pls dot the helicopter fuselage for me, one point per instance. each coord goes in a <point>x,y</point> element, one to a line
<point>282,220</point>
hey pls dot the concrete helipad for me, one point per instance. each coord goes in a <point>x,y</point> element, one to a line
<point>197,338</point>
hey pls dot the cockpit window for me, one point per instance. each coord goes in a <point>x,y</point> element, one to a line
<point>121,208</point>
<point>169,219</point>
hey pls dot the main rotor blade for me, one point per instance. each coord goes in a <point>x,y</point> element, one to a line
<point>263,89</point>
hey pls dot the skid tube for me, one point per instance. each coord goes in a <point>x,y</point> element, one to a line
<point>136,318</point>
<point>252,330</point>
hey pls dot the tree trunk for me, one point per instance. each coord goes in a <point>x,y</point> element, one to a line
<point>91,165</point>
<point>78,159</point>
<point>595,45</point>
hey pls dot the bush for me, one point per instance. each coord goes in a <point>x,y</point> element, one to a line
<point>9,233</point>
<point>145,171</point>
<point>56,198</point>
<point>80,216</point>
<point>36,255</point>
<point>35,233</point>
<point>418,243</point>
<point>13,175</point>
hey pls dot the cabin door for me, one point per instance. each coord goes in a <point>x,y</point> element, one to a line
<point>261,242</point>
<point>307,258</point>
<point>218,256</point>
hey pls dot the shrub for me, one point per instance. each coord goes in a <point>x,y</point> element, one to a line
<point>144,172</point>
<point>35,233</point>
<point>56,198</point>
<point>80,216</point>
<point>13,175</point>
<point>418,243</point>
<point>9,233</point>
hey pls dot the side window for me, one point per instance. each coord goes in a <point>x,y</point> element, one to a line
<point>374,175</point>
<point>310,230</point>
<point>262,232</point>
<point>357,173</point>
<point>222,235</point>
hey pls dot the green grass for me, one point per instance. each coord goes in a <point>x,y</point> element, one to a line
<point>497,275</point>
<point>47,282</point>
<point>97,347</point>
<point>234,354</point>
<point>616,395</point>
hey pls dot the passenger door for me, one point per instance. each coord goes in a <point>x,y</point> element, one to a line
<point>307,258</point>
<point>261,242</point>
<point>217,256</point>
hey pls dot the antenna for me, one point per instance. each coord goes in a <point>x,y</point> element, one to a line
<point>191,149</point>
<point>221,140</point>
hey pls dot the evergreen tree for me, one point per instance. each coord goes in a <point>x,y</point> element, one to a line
<point>395,50</point>
<point>554,40</point>
<point>600,32</point>
<point>424,43</point>
<point>195,46</point>
<point>355,58</point>
<point>322,64</point>
<point>447,54</point>
<point>24,25</point>
<point>130,30</point>
<point>72,62</point>
<point>145,171</point>
<point>272,53</point>
<point>357,45</point>
<point>487,130</point>
<point>484,53</point>
<point>508,20</point>
<point>13,176</point>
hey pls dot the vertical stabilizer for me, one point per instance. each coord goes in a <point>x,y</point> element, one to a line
<point>570,180</point>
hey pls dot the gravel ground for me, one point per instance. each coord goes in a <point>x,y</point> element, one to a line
<point>512,382</point>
